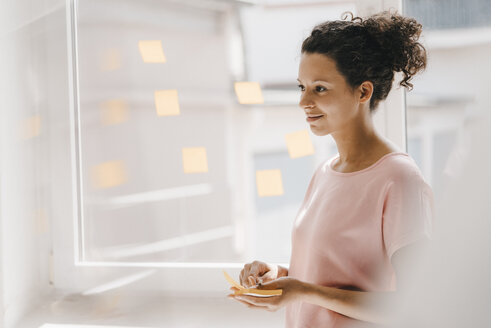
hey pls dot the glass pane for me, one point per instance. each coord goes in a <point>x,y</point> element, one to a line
<point>171,153</point>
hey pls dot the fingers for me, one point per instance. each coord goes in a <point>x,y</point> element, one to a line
<point>270,275</point>
<point>250,274</point>
<point>251,280</point>
<point>258,268</point>
<point>254,271</point>
<point>244,273</point>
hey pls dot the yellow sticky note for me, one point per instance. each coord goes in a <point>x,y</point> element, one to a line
<point>114,111</point>
<point>259,292</point>
<point>299,144</point>
<point>248,93</point>
<point>109,174</point>
<point>110,59</point>
<point>31,127</point>
<point>151,51</point>
<point>269,183</point>
<point>167,102</point>
<point>231,281</point>
<point>194,160</point>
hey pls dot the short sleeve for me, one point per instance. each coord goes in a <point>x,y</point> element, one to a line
<point>408,211</point>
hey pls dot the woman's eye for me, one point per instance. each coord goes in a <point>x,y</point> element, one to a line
<point>318,88</point>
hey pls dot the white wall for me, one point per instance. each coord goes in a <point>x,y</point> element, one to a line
<point>274,35</point>
<point>456,71</point>
<point>33,92</point>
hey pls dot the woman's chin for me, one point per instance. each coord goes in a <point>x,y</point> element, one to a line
<point>319,131</point>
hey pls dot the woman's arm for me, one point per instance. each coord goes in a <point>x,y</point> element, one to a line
<point>377,307</point>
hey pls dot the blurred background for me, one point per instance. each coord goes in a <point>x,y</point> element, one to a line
<point>137,138</point>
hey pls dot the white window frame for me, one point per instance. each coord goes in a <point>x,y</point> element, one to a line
<point>72,273</point>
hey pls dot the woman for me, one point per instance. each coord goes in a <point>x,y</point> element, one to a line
<point>366,210</point>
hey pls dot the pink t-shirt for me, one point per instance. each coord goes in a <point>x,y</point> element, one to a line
<point>348,227</point>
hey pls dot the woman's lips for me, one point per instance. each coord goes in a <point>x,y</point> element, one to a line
<point>313,118</point>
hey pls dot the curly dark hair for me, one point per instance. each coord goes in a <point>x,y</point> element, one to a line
<point>371,49</point>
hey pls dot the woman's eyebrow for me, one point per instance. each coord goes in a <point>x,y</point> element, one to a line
<point>315,81</point>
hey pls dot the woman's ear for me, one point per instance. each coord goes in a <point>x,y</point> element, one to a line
<point>366,91</point>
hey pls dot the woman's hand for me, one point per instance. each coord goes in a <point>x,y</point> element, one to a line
<point>259,272</point>
<point>292,290</point>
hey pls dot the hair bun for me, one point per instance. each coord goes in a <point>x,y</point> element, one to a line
<point>398,37</point>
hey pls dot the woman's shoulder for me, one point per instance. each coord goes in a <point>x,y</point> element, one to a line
<point>398,162</point>
<point>401,169</point>
<point>401,163</point>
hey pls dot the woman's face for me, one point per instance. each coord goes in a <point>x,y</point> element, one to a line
<point>327,100</point>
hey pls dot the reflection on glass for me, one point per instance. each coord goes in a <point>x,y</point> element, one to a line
<point>114,112</point>
<point>109,174</point>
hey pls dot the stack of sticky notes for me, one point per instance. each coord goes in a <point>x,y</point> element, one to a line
<point>241,290</point>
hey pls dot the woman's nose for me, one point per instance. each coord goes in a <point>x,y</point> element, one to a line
<point>305,101</point>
